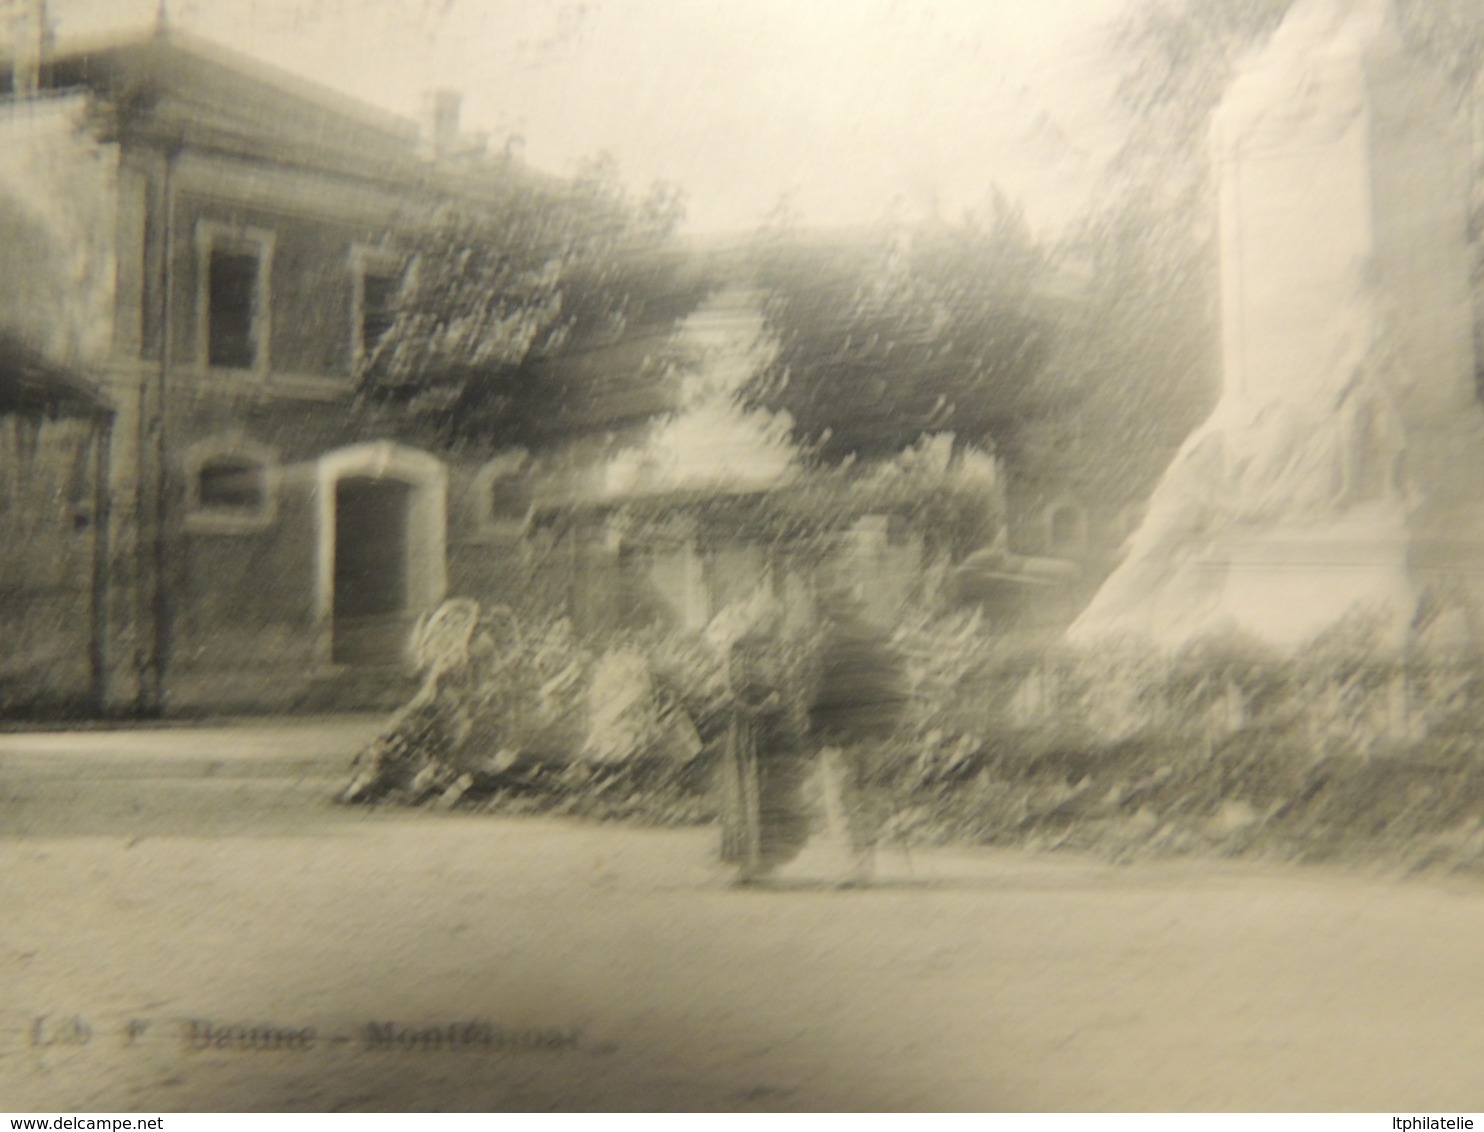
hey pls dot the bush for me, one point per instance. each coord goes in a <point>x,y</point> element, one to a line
<point>523,707</point>
<point>1221,749</point>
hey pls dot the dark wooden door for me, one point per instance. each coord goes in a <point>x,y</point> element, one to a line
<point>372,618</point>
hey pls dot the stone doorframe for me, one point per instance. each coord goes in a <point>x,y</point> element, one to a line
<point>427,564</point>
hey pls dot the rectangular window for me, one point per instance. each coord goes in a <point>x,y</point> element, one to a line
<point>511,497</point>
<point>232,483</point>
<point>231,488</point>
<point>376,275</point>
<point>233,326</point>
<point>232,288</point>
<point>378,308</point>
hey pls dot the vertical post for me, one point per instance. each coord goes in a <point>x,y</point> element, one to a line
<point>141,579</point>
<point>162,611</point>
<point>102,571</point>
<point>29,32</point>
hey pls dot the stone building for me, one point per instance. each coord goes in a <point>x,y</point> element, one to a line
<point>211,246</point>
<point>56,432</point>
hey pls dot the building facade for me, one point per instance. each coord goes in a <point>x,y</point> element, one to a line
<point>214,246</point>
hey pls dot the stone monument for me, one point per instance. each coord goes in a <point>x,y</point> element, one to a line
<point>1342,471</point>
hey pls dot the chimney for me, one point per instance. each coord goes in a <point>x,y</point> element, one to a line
<point>441,122</point>
<point>28,29</point>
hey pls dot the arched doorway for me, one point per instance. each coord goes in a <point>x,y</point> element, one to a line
<point>381,549</point>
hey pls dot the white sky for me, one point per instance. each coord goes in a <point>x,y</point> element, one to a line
<point>854,108</point>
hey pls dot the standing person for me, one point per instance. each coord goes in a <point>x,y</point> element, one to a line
<point>861,697</point>
<point>765,821</point>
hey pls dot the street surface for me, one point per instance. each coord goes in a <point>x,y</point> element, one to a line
<point>186,923</point>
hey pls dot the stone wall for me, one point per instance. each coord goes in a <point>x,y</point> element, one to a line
<point>58,222</point>
<point>48,478</point>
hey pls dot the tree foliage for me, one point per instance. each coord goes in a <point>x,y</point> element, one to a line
<point>889,337</point>
<point>1181,55</point>
<point>527,308</point>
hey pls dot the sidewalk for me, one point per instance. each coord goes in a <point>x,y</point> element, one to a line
<point>249,748</point>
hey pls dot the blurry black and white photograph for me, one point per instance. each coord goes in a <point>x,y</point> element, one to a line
<point>742,556</point>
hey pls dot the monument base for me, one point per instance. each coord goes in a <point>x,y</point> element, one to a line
<point>1347,451</point>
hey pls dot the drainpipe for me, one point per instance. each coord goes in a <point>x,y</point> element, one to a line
<point>153,654</point>
<point>102,571</point>
<point>162,612</point>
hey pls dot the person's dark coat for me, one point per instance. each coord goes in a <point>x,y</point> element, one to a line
<point>862,685</point>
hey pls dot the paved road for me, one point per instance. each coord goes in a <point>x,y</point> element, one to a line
<point>190,917</point>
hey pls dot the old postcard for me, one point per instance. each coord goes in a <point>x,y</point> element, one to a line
<point>741,555</point>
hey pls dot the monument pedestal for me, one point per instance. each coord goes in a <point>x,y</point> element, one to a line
<point>1342,473</point>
